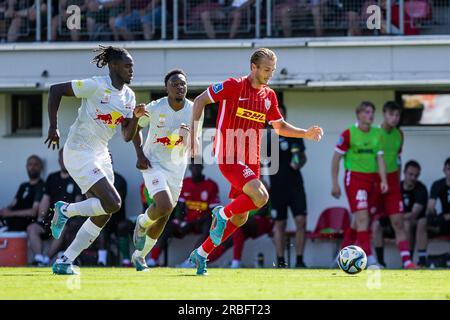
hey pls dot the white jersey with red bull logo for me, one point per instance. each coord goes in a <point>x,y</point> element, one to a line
<point>102,109</point>
<point>164,145</point>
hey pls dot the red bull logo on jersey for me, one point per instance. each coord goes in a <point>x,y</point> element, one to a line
<point>171,141</point>
<point>251,115</point>
<point>112,119</point>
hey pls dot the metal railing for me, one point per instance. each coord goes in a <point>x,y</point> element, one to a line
<point>16,21</point>
<point>187,19</point>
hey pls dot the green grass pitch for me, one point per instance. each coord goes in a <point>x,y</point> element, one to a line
<point>235,284</point>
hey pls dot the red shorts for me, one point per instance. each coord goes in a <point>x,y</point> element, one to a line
<point>238,174</point>
<point>391,202</point>
<point>362,191</point>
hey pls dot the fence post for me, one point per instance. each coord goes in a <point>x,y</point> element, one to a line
<point>49,20</point>
<point>163,20</point>
<point>402,16</point>
<point>269,18</point>
<point>38,20</point>
<point>175,19</point>
<point>388,17</point>
<point>258,19</point>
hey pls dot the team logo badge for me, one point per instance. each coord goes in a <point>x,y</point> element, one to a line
<point>204,195</point>
<point>217,87</point>
<point>106,97</point>
<point>161,121</point>
<point>155,181</point>
<point>267,103</point>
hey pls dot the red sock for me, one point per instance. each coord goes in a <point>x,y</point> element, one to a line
<point>349,237</point>
<point>217,253</point>
<point>156,251</point>
<point>238,244</point>
<point>230,228</point>
<point>208,245</point>
<point>363,241</point>
<point>241,204</point>
<point>403,247</point>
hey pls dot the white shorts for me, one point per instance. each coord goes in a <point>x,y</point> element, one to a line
<point>157,179</point>
<point>87,167</point>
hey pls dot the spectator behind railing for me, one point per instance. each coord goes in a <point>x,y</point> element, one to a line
<point>408,22</point>
<point>100,14</point>
<point>60,17</point>
<point>211,12</point>
<point>3,23</point>
<point>285,10</point>
<point>20,13</point>
<point>145,14</point>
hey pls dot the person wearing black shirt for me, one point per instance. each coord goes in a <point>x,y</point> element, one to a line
<point>59,186</point>
<point>24,208</point>
<point>435,224</point>
<point>287,192</point>
<point>414,198</point>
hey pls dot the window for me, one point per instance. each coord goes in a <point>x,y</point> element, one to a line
<point>424,108</point>
<point>26,114</point>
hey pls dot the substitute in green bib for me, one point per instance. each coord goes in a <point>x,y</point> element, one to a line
<point>361,146</point>
<point>391,202</point>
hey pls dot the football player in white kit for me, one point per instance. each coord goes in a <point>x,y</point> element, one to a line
<point>107,101</point>
<point>162,161</point>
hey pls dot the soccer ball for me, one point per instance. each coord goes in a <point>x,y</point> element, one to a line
<point>352,259</point>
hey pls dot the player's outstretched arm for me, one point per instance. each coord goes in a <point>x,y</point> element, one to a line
<point>196,125</point>
<point>142,162</point>
<point>285,129</point>
<point>129,126</point>
<point>57,91</point>
<point>335,189</point>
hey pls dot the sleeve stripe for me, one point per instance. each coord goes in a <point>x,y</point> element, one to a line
<point>278,120</point>
<point>339,150</point>
<point>209,94</point>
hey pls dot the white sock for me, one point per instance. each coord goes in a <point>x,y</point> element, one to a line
<point>202,252</point>
<point>102,256</point>
<point>144,220</point>
<point>222,214</point>
<point>90,207</point>
<point>149,244</point>
<point>84,238</point>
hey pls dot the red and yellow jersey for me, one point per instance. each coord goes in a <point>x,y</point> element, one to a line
<point>243,112</point>
<point>199,198</point>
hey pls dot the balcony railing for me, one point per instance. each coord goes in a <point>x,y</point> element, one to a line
<point>118,20</point>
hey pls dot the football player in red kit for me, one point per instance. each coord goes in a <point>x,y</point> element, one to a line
<point>245,105</point>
